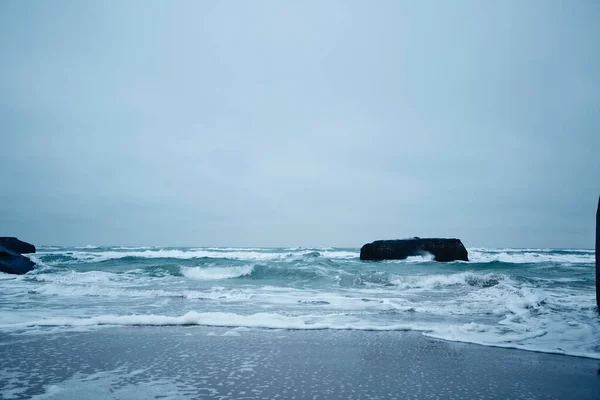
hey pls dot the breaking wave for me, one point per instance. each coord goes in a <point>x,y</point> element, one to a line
<point>526,339</point>
<point>533,299</point>
<point>215,273</point>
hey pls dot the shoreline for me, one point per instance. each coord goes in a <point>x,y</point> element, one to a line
<point>508,347</point>
<point>217,362</point>
<point>422,332</point>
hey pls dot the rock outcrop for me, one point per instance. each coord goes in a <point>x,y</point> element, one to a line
<point>11,260</point>
<point>16,245</point>
<point>442,249</point>
<point>598,256</point>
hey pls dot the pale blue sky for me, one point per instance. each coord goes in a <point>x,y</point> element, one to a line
<point>280,123</point>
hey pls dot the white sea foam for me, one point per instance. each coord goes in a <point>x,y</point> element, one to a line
<point>439,281</point>
<point>565,339</point>
<point>529,250</point>
<point>427,257</point>
<point>226,249</point>
<point>102,291</point>
<point>76,277</point>
<point>215,273</point>
<point>547,306</point>
<point>117,382</point>
<point>100,256</point>
<point>222,319</point>
<point>503,314</point>
<point>530,319</point>
<point>529,257</point>
<point>541,337</point>
<point>231,333</point>
<point>338,254</point>
<point>131,248</point>
<point>518,256</point>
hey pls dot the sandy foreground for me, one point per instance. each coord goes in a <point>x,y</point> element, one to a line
<point>205,362</point>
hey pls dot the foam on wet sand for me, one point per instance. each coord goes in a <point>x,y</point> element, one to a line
<point>213,362</point>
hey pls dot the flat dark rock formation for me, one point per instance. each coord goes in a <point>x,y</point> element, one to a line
<point>11,260</point>
<point>442,249</point>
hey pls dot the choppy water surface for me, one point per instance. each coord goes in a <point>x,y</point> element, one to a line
<point>535,299</point>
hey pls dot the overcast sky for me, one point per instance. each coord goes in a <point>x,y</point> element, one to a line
<point>304,123</point>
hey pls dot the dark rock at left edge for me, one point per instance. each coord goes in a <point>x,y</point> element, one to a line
<point>16,245</point>
<point>11,261</point>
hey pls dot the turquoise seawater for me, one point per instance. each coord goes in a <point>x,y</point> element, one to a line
<point>533,299</point>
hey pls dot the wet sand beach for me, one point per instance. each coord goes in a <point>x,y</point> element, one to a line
<point>206,362</point>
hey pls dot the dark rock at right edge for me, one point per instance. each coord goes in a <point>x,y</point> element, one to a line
<point>598,256</point>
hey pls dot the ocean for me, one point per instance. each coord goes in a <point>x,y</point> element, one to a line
<point>532,299</point>
<point>539,300</point>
